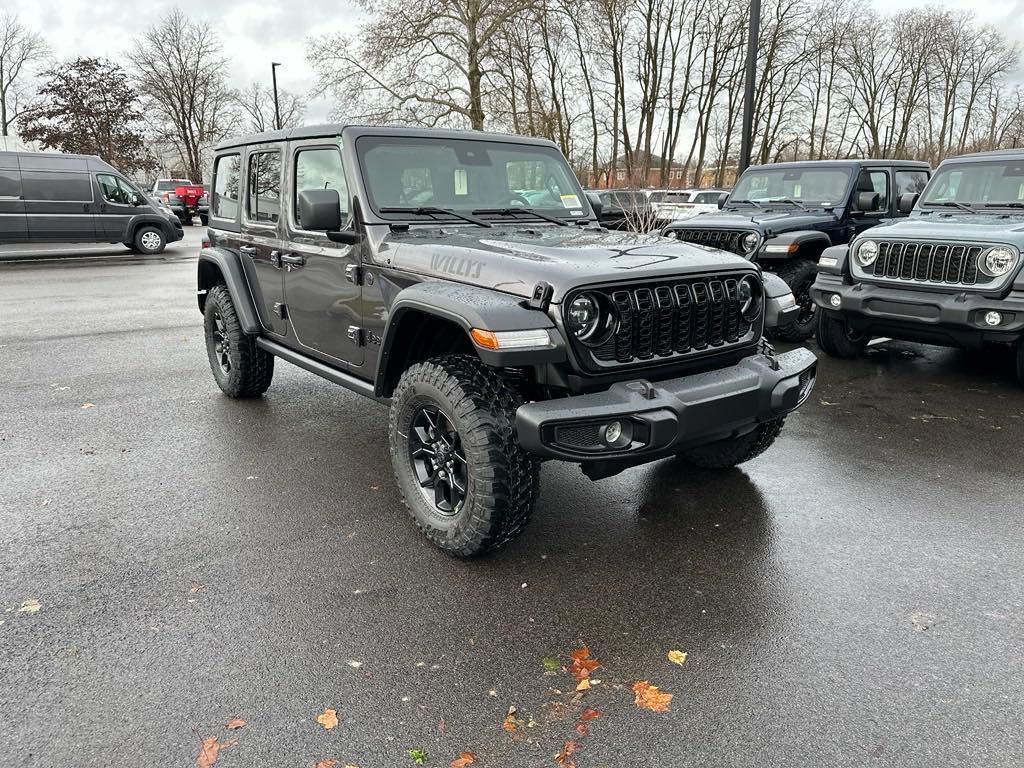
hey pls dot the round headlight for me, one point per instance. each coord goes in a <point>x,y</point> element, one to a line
<point>749,242</point>
<point>750,296</point>
<point>867,252</point>
<point>584,317</point>
<point>996,262</point>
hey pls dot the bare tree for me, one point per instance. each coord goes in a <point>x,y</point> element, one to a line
<point>256,106</point>
<point>180,69</point>
<point>20,48</point>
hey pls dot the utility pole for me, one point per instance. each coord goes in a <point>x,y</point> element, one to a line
<point>277,107</point>
<point>747,140</point>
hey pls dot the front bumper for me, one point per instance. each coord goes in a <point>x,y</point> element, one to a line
<point>661,419</point>
<point>956,319</point>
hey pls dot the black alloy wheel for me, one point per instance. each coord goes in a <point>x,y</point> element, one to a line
<point>438,460</point>
<point>222,342</point>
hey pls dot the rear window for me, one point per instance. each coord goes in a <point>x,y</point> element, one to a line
<point>226,186</point>
<point>167,185</point>
<point>264,204</point>
<point>54,186</point>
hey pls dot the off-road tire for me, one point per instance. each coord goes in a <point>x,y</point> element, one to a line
<point>835,339</point>
<point>149,240</point>
<point>251,368</point>
<point>727,453</point>
<point>1020,362</point>
<point>502,479</point>
<point>799,275</point>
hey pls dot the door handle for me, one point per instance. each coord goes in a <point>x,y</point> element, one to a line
<point>292,260</point>
<point>248,249</point>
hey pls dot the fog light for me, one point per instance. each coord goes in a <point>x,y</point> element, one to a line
<point>835,300</point>
<point>612,433</point>
<point>993,318</point>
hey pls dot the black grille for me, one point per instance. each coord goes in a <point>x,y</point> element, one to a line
<point>582,436</point>
<point>670,319</point>
<point>940,263</point>
<point>722,239</point>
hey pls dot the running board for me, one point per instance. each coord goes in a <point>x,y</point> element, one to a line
<point>348,381</point>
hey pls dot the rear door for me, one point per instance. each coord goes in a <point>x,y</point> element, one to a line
<point>322,278</point>
<point>260,240</point>
<point>59,198</point>
<point>13,228</point>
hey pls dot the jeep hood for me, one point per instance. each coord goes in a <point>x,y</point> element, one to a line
<point>775,220</point>
<point>514,260</point>
<point>980,227</point>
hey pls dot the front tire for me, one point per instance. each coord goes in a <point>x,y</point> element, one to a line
<point>149,240</point>
<point>799,275</point>
<point>837,339</point>
<point>240,368</point>
<point>467,484</point>
<point>727,453</point>
<point>1020,362</point>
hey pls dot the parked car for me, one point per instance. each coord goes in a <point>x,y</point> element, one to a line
<point>500,334</point>
<point>185,198</point>
<point>680,204</point>
<point>785,214</point>
<point>950,274</point>
<point>624,209</point>
<point>51,197</point>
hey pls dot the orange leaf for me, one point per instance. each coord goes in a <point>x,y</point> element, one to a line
<point>326,763</point>
<point>649,697</point>
<point>509,723</point>
<point>328,719</point>
<point>234,724</point>
<point>582,665</point>
<point>464,759</point>
<point>209,749</point>
<point>562,758</point>
<point>586,716</point>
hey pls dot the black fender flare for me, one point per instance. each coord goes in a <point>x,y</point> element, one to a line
<point>219,265</point>
<point>833,260</point>
<point>788,245</point>
<point>471,307</point>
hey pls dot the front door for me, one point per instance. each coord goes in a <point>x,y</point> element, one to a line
<point>873,180</point>
<point>115,206</point>
<point>260,243</point>
<point>322,282</point>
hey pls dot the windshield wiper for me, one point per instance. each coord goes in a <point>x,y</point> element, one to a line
<point>791,201</point>
<point>950,204</point>
<point>431,210</point>
<point>528,211</point>
<point>1009,204</point>
<point>746,202</point>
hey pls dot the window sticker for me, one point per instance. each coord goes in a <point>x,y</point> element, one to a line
<point>570,201</point>
<point>461,181</point>
<point>796,191</point>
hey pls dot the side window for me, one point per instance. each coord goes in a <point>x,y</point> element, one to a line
<point>707,198</point>
<point>46,186</point>
<point>226,187</point>
<point>910,181</point>
<point>876,181</point>
<point>264,193</point>
<point>114,190</point>
<point>320,168</point>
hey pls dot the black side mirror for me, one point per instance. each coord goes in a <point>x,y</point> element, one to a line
<point>868,201</point>
<point>319,210</point>
<point>722,200</point>
<point>137,199</point>
<point>595,203</point>
<point>907,202</point>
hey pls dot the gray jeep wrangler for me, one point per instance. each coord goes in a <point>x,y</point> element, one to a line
<point>462,278</point>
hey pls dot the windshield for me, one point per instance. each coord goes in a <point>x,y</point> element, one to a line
<point>820,187</point>
<point>466,176</point>
<point>992,183</point>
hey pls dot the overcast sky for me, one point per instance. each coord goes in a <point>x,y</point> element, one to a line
<point>256,32</point>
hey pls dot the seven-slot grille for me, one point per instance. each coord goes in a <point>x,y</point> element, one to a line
<point>722,239</point>
<point>939,263</point>
<point>670,319</point>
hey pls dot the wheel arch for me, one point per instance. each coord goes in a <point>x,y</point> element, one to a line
<point>148,220</point>
<point>218,266</point>
<point>801,244</point>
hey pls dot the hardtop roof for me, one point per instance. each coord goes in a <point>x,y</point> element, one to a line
<point>993,154</point>
<point>849,163</point>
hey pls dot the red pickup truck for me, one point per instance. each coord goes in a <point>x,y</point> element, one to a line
<point>185,199</point>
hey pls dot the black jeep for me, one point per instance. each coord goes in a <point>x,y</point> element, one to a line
<point>950,274</point>
<point>462,278</point>
<point>784,215</point>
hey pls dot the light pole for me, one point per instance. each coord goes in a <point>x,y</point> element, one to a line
<point>277,107</point>
<point>747,139</point>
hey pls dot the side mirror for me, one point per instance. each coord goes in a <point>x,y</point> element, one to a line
<point>595,203</point>
<point>907,202</point>
<point>320,210</point>
<point>867,201</point>
<point>137,199</point>
<point>722,200</point>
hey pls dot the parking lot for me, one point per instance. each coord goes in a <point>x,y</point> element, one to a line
<point>853,597</point>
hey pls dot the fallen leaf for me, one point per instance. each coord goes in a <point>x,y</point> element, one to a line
<point>234,724</point>
<point>30,606</point>
<point>328,763</point>
<point>562,758</point>
<point>550,664</point>
<point>418,756</point>
<point>464,759</point>
<point>196,588</point>
<point>510,723</point>
<point>355,664</point>
<point>328,718</point>
<point>648,696</point>
<point>585,717</point>
<point>583,685</point>
<point>677,657</point>
<point>582,665</point>
<point>209,749</point>
<point>90,405</point>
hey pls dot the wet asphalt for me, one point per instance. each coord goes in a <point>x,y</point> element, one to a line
<point>854,597</point>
